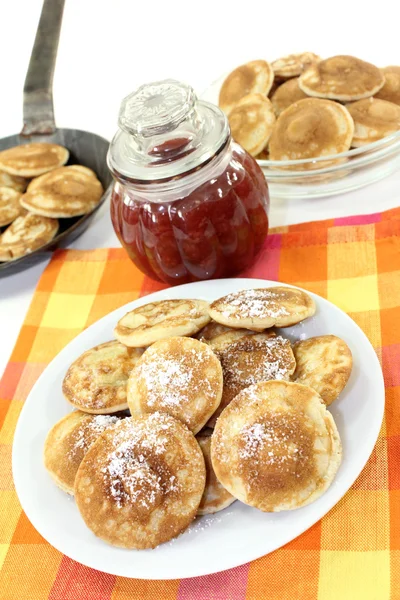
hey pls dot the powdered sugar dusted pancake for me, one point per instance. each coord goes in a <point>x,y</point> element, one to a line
<point>159,320</point>
<point>262,308</point>
<point>67,443</point>
<point>276,447</point>
<point>140,484</point>
<point>180,376</point>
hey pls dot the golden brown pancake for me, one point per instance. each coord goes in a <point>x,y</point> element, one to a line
<point>67,443</point>
<point>180,376</point>
<point>140,484</point>
<point>219,336</point>
<point>260,357</point>
<point>18,184</point>
<point>391,88</point>
<point>251,122</point>
<point>261,308</point>
<point>276,447</point>
<point>294,64</point>
<point>342,78</point>
<point>63,193</point>
<point>31,160</point>
<point>27,233</point>
<point>254,77</point>
<point>373,119</point>
<point>286,94</point>
<point>311,128</point>
<point>215,496</point>
<point>159,320</point>
<point>96,382</point>
<point>10,207</point>
<point>323,363</point>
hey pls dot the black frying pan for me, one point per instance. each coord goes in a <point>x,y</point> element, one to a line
<point>85,148</point>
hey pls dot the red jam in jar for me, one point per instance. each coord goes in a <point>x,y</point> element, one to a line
<point>188,203</point>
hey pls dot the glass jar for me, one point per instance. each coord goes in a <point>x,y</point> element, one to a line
<point>188,203</point>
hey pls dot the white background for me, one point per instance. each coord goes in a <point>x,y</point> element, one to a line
<point>109,47</point>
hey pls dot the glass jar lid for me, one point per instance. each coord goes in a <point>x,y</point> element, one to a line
<point>165,131</point>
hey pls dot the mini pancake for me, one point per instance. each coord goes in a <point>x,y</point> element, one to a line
<point>373,119</point>
<point>10,208</point>
<point>263,308</point>
<point>254,77</point>
<point>96,382</point>
<point>215,496</point>
<point>63,193</point>
<point>311,128</point>
<point>219,336</point>
<point>342,78</point>
<point>31,160</point>
<point>391,88</point>
<point>286,94</point>
<point>67,443</point>
<point>27,233</point>
<point>255,358</point>
<point>251,122</point>
<point>140,484</point>
<point>180,376</point>
<point>159,320</point>
<point>46,179</point>
<point>276,447</point>
<point>294,64</point>
<point>18,184</point>
<point>323,363</point>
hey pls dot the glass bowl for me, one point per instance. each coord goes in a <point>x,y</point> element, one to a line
<point>327,175</point>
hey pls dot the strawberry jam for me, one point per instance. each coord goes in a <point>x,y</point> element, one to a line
<point>192,209</point>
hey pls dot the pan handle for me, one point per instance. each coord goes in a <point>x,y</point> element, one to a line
<point>38,88</point>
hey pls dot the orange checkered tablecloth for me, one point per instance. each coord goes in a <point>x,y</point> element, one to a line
<point>353,553</point>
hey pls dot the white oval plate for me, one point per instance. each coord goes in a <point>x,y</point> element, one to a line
<point>215,542</point>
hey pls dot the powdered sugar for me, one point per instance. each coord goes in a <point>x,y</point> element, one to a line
<point>250,361</point>
<point>275,445</point>
<point>129,473</point>
<point>173,378</point>
<point>170,375</point>
<point>257,303</point>
<point>90,430</point>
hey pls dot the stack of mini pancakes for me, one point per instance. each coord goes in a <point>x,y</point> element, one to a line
<point>36,190</point>
<point>301,107</point>
<point>222,408</point>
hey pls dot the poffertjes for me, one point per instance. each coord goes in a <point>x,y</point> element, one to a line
<point>141,482</point>
<point>373,119</point>
<point>25,234</point>
<point>276,447</point>
<point>96,382</point>
<point>323,363</point>
<point>252,359</point>
<point>159,320</point>
<point>255,77</point>
<point>67,443</point>
<point>343,78</point>
<point>261,308</point>
<point>180,376</point>
<point>31,160</point>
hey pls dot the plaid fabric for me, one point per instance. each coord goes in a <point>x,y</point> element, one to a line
<point>354,552</point>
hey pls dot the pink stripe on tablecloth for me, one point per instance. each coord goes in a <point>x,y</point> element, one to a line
<point>359,219</point>
<point>228,585</point>
<point>267,264</point>
<point>77,582</point>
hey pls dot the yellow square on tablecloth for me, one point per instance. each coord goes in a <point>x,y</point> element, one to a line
<point>67,311</point>
<point>354,294</point>
<point>339,570</point>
